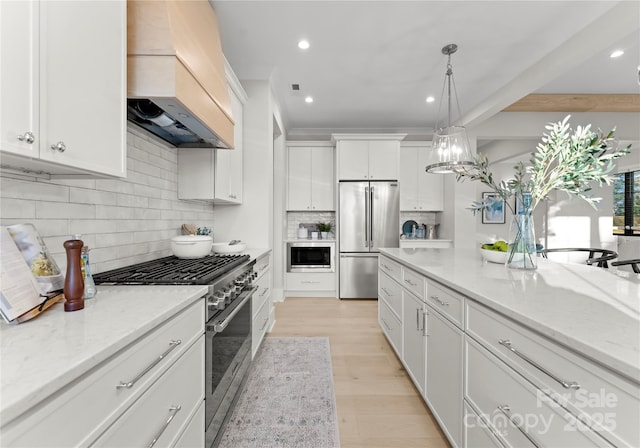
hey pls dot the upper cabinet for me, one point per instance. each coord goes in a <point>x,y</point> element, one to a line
<point>216,175</point>
<point>419,190</point>
<point>63,87</point>
<point>310,177</point>
<point>368,156</point>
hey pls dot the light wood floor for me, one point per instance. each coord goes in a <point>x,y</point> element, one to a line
<point>378,406</point>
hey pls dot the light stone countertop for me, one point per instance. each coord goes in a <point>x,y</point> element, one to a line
<point>40,356</point>
<point>594,311</point>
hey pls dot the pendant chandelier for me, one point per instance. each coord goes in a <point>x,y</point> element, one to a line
<point>450,149</point>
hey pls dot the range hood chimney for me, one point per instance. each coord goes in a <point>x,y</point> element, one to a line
<point>176,85</point>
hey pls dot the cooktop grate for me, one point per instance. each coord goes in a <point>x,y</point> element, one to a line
<point>172,271</point>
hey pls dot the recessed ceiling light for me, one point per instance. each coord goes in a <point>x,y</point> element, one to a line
<point>430,99</point>
<point>303,44</point>
<point>616,53</point>
<point>308,99</point>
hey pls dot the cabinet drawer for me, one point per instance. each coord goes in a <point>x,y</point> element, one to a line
<point>391,292</point>
<point>608,404</point>
<point>98,387</point>
<point>476,431</point>
<point>311,282</point>
<point>391,326</point>
<point>414,282</point>
<point>261,294</point>
<point>262,265</point>
<point>259,327</point>
<point>516,410</point>
<point>193,435</point>
<point>448,302</point>
<point>390,267</point>
<point>177,393</point>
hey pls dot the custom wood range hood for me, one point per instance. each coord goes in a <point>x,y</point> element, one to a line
<point>176,86</point>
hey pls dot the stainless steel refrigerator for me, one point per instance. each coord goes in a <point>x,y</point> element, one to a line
<point>368,220</point>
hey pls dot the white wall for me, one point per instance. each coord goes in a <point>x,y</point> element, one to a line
<point>123,221</point>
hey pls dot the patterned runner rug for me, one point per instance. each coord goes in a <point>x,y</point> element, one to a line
<point>288,400</point>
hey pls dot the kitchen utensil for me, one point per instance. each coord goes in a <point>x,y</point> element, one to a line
<point>431,231</point>
<point>189,229</point>
<point>228,248</point>
<point>407,227</point>
<point>191,246</point>
<point>303,233</point>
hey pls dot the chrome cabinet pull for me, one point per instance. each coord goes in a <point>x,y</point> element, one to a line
<point>406,280</point>
<point>172,345</point>
<point>27,137</point>
<point>424,323</point>
<point>437,299</point>
<point>310,281</point>
<point>386,292</point>
<point>386,324</point>
<point>506,410</point>
<point>417,319</point>
<point>266,321</point>
<point>264,292</point>
<point>566,384</point>
<point>60,146</point>
<point>173,410</point>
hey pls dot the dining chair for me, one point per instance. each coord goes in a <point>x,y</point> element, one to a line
<point>599,257</point>
<point>635,264</point>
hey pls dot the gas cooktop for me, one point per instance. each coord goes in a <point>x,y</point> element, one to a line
<point>172,271</point>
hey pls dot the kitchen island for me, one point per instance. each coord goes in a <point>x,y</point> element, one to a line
<point>478,331</point>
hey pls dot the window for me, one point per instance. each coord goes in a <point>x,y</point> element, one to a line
<point>626,204</point>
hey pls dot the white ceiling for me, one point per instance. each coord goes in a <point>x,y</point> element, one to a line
<point>372,63</point>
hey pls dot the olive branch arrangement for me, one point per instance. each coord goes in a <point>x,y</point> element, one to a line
<point>564,160</point>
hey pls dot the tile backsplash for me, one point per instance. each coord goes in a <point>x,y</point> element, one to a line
<point>294,219</point>
<point>123,221</point>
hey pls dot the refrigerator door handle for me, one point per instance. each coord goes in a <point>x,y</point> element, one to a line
<point>371,219</point>
<point>366,216</point>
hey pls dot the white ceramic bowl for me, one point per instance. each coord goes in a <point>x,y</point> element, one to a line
<point>494,256</point>
<point>191,246</point>
<point>225,248</point>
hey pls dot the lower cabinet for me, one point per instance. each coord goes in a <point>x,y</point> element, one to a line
<point>321,284</point>
<point>163,412</point>
<point>391,325</point>
<point>153,387</point>
<point>414,338</point>
<point>261,302</point>
<point>445,369</point>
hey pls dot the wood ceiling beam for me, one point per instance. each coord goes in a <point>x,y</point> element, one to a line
<point>576,103</point>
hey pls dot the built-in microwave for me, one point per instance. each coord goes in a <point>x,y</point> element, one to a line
<point>311,256</point>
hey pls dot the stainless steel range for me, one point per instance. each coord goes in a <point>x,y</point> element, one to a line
<point>228,321</point>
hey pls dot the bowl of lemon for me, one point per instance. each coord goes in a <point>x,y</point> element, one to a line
<point>495,252</point>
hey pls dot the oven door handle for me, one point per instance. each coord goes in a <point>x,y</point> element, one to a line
<point>219,327</point>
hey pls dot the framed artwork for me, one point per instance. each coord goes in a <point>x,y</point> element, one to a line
<point>493,213</point>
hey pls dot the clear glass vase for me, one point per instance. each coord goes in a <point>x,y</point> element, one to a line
<point>522,247</point>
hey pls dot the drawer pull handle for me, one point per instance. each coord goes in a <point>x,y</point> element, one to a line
<point>310,281</point>
<point>173,410</point>
<point>386,267</point>
<point>266,290</point>
<point>266,321</point>
<point>386,292</point>
<point>386,324</point>
<point>506,410</point>
<point>424,323</point>
<point>406,280</point>
<point>129,385</point>
<point>565,384</point>
<point>441,302</point>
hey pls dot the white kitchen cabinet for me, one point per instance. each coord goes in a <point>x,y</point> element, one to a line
<point>419,190</point>
<point>414,335</point>
<point>445,369</point>
<point>216,175</point>
<point>368,157</point>
<point>301,284</point>
<point>310,180</point>
<point>131,386</point>
<point>261,301</point>
<point>63,87</point>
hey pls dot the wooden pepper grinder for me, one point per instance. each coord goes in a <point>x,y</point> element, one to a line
<point>73,282</point>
